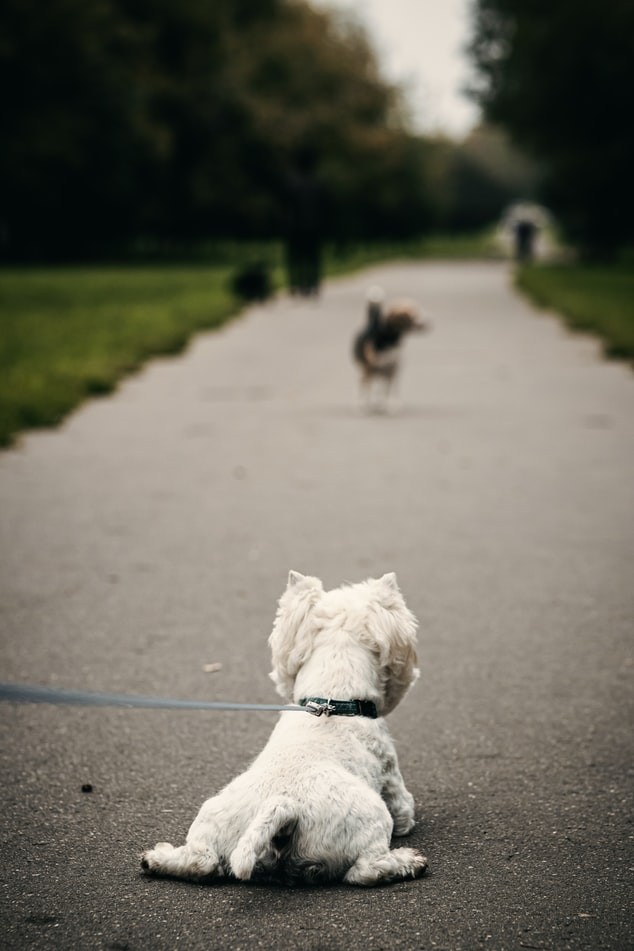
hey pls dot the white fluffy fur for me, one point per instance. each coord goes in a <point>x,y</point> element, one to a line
<point>322,800</point>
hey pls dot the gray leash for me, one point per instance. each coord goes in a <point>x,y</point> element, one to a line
<point>23,693</point>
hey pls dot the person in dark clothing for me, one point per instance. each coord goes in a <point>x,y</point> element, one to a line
<point>525,234</point>
<point>305,215</point>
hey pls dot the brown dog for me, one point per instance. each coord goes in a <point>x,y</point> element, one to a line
<point>377,347</point>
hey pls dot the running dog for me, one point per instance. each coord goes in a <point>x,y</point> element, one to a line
<point>377,347</point>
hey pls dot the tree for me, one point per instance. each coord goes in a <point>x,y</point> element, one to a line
<point>477,179</point>
<point>73,137</point>
<point>311,80</point>
<point>118,123</point>
<point>176,121</point>
<point>559,77</point>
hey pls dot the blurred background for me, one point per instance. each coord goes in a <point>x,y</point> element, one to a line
<point>143,125</point>
<point>140,127</point>
<point>144,131</point>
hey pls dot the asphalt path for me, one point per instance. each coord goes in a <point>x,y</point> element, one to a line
<point>152,534</point>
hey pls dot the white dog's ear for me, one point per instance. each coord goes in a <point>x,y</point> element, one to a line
<point>389,579</point>
<point>395,639</point>
<point>293,630</point>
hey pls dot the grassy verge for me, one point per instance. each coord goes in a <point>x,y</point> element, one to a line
<point>70,333</point>
<point>462,247</point>
<point>599,300</point>
<point>479,245</point>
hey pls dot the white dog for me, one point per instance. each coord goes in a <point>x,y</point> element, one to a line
<point>322,800</point>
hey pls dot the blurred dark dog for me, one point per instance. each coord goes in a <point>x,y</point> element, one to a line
<point>377,347</point>
<point>252,282</point>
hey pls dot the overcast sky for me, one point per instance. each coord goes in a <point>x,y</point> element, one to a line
<point>422,43</point>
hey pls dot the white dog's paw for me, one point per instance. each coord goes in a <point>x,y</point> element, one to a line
<point>386,867</point>
<point>413,862</point>
<point>242,861</point>
<point>403,825</point>
<point>155,861</point>
<point>194,862</point>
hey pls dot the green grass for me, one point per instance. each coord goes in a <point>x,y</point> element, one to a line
<point>447,247</point>
<point>69,333</point>
<point>460,247</point>
<point>599,300</point>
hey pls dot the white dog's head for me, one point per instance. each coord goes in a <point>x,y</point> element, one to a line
<point>354,642</point>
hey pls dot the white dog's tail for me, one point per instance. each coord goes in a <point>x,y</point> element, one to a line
<point>266,838</point>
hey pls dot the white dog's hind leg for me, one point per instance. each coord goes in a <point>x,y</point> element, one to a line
<point>400,802</point>
<point>195,860</point>
<point>386,867</point>
<point>259,835</point>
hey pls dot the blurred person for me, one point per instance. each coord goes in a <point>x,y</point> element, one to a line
<point>525,235</point>
<point>305,219</point>
<point>520,229</point>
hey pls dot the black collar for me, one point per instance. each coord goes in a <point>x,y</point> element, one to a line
<point>339,708</point>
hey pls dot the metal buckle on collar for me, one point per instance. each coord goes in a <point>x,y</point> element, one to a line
<point>318,708</point>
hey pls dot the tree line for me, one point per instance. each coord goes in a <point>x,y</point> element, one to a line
<point>559,77</point>
<point>129,120</point>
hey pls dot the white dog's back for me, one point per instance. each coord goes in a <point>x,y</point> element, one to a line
<point>324,797</point>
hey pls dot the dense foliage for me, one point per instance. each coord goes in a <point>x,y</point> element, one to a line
<point>559,77</point>
<point>149,126</point>
<point>172,121</point>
